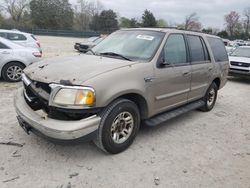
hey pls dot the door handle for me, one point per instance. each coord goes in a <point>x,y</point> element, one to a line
<point>5,52</point>
<point>210,68</point>
<point>185,73</point>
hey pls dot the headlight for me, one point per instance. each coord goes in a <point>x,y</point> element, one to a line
<point>72,96</point>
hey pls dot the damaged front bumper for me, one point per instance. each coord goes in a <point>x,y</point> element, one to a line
<point>61,130</point>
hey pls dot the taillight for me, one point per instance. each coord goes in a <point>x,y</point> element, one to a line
<point>37,54</point>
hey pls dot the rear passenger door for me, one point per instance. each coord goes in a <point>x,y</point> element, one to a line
<point>201,67</point>
<point>5,53</point>
<point>173,74</point>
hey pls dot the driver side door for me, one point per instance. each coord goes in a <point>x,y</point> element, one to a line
<point>173,75</point>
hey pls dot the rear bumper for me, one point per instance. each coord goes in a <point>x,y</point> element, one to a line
<point>54,129</point>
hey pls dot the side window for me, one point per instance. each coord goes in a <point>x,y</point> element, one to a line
<point>16,36</point>
<point>3,46</point>
<point>175,49</point>
<point>4,35</point>
<point>197,46</point>
<point>218,49</point>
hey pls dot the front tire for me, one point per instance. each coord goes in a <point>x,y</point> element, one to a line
<point>119,125</point>
<point>210,98</point>
<point>12,72</point>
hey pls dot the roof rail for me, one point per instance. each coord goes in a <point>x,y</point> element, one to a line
<point>182,29</point>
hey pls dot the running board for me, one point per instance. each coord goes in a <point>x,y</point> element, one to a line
<point>158,119</point>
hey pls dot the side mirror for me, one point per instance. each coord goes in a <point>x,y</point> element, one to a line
<point>163,61</point>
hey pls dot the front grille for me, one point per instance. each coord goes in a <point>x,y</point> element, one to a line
<point>239,64</point>
<point>37,97</point>
<point>239,70</point>
<point>85,47</point>
<point>38,89</point>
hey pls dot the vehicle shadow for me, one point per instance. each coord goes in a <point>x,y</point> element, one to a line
<point>245,80</point>
<point>89,149</point>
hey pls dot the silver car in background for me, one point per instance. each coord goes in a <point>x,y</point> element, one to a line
<point>21,38</point>
<point>14,58</point>
<point>240,61</point>
<point>88,44</point>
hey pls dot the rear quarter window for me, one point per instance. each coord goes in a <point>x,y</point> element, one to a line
<point>32,36</point>
<point>218,49</point>
<point>4,35</point>
<point>16,36</point>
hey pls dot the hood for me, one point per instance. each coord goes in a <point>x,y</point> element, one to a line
<point>87,43</point>
<point>239,59</point>
<point>73,70</point>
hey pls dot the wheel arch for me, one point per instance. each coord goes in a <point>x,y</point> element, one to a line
<point>139,100</point>
<point>217,81</point>
<point>1,71</point>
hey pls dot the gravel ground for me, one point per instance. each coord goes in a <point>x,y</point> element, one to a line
<point>195,150</point>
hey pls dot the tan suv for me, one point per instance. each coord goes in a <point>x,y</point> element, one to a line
<point>134,76</point>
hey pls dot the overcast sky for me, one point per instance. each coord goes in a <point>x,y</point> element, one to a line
<point>210,12</point>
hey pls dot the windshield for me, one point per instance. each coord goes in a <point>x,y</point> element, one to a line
<point>132,44</point>
<point>241,52</point>
<point>92,39</point>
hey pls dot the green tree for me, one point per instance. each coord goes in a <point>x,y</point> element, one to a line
<point>148,19</point>
<point>51,14</point>
<point>128,23</point>
<point>134,23</point>
<point>125,22</point>
<point>106,21</point>
<point>223,34</point>
<point>162,23</point>
<point>208,30</point>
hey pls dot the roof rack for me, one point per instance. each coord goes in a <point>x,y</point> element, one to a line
<point>181,29</point>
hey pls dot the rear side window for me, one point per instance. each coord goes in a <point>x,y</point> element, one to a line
<point>4,35</point>
<point>198,49</point>
<point>175,49</point>
<point>218,49</point>
<point>3,46</point>
<point>33,37</point>
<point>16,36</point>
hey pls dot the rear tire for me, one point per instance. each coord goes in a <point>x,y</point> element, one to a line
<point>11,72</point>
<point>210,98</point>
<point>118,127</point>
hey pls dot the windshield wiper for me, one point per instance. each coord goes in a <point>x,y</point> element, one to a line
<point>115,54</point>
<point>90,50</point>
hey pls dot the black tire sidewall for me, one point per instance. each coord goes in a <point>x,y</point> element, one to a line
<point>210,107</point>
<point>5,68</point>
<point>107,142</point>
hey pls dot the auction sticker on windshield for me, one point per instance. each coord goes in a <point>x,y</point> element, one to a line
<point>145,37</point>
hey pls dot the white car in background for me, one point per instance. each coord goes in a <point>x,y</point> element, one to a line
<point>14,58</point>
<point>21,38</point>
<point>239,61</point>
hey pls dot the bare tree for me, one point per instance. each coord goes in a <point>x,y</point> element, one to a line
<point>95,7</point>
<point>232,22</point>
<point>192,22</point>
<point>246,21</point>
<point>15,8</point>
<point>84,12</point>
